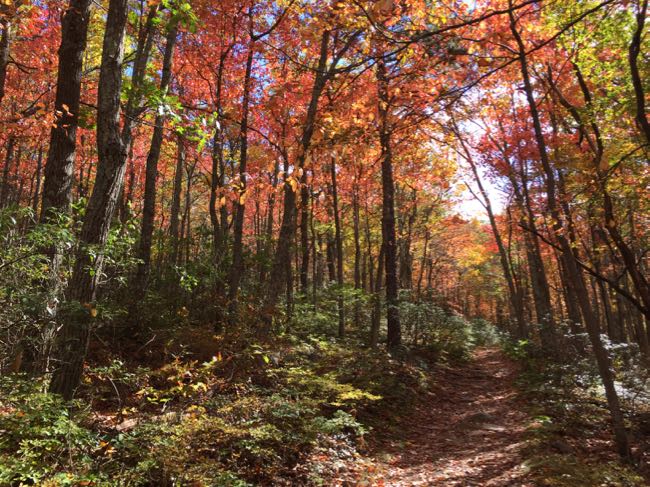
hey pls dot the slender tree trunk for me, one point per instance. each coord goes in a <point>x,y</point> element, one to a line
<point>388,208</point>
<point>339,248</point>
<point>237,267</point>
<point>75,332</point>
<point>427,236</point>
<point>6,170</point>
<point>187,215</point>
<point>375,317</point>
<point>218,212</point>
<point>5,41</point>
<point>36,196</point>
<point>174,228</point>
<point>633,58</point>
<point>357,252</point>
<point>304,232</point>
<point>282,258</point>
<point>516,305</point>
<point>574,273</point>
<point>151,174</point>
<point>133,107</point>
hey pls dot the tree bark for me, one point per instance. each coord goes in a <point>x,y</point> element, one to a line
<point>304,232</point>
<point>338,239</point>
<point>75,332</point>
<point>237,267</point>
<point>394,338</point>
<point>174,220</point>
<point>151,173</point>
<point>282,258</point>
<point>5,42</point>
<point>4,185</point>
<point>59,168</point>
<point>36,196</point>
<point>633,58</point>
<point>357,250</point>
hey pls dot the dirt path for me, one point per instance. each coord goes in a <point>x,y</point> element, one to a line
<point>469,434</point>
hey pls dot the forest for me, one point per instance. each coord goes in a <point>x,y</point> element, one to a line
<point>324,243</point>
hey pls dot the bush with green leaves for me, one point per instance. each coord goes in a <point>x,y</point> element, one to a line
<point>446,333</point>
<point>40,439</point>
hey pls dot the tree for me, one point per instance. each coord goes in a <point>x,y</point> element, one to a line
<point>75,332</point>
<point>59,168</point>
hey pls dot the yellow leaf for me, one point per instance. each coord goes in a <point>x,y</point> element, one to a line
<point>294,184</point>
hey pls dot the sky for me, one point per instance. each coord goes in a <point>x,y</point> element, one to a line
<point>468,207</point>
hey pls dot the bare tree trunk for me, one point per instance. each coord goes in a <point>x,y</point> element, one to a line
<point>36,196</point>
<point>304,232</point>
<point>375,317</point>
<point>4,185</point>
<point>339,248</point>
<point>282,257</point>
<point>388,208</point>
<point>516,305</point>
<point>633,58</point>
<point>174,229</point>
<point>75,332</point>
<point>5,41</point>
<point>218,213</point>
<point>59,169</point>
<point>357,251</point>
<point>237,267</point>
<point>151,174</point>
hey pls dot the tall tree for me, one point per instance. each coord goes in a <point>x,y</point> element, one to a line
<point>388,205</point>
<point>151,170</point>
<point>574,273</point>
<point>75,332</point>
<point>59,168</point>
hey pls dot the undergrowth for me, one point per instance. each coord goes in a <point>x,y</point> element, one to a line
<point>569,441</point>
<point>198,408</point>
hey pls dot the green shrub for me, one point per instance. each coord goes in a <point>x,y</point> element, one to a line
<point>40,439</point>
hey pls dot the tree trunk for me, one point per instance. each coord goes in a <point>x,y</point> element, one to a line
<point>59,169</point>
<point>4,185</point>
<point>304,232</point>
<point>5,41</point>
<point>133,107</point>
<point>282,258</point>
<point>151,174</point>
<point>357,252</point>
<point>633,58</point>
<point>36,196</point>
<point>174,220</point>
<point>75,333</point>
<point>575,277</point>
<point>240,207</point>
<point>218,212</point>
<point>388,208</point>
<point>339,248</point>
<point>516,305</point>
<point>375,316</point>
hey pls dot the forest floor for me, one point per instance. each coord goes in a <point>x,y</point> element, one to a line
<point>469,433</point>
<point>478,428</point>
